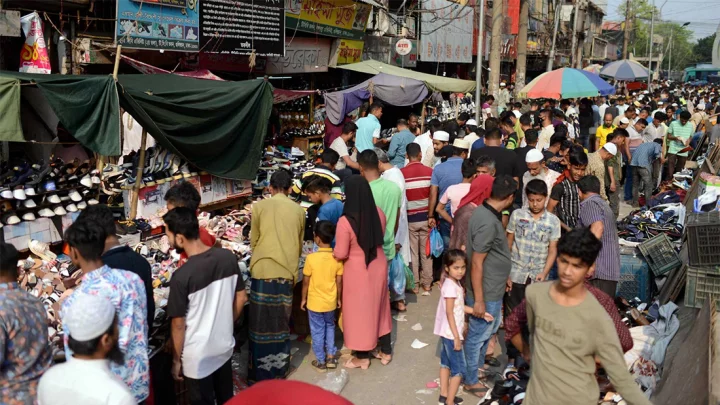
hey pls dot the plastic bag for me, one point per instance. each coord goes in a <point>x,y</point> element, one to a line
<point>335,381</point>
<point>409,278</point>
<point>396,275</point>
<point>436,243</point>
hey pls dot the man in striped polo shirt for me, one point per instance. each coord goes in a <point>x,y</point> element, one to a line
<point>417,190</point>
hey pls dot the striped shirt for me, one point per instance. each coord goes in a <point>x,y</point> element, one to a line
<point>417,190</point>
<point>594,209</point>
<point>566,194</point>
<point>336,192</point>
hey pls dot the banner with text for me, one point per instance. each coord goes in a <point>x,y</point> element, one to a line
<point>446,32</point>
<point>346,51</point>
<point>233,27</point>
<point>302,55</point>
<point>34,55</point>
<point>333,18</point>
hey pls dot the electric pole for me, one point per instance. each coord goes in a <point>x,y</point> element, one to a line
<point>521,66</point>
<point>626,40</point>
<point>573,46</point>
<point>497,20</point>
<point>650,50</point>
<point>478,73</point>
<point>551,57</point>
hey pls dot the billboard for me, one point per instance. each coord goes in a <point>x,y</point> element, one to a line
<point>446,33</point>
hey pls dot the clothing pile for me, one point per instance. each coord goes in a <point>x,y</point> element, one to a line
<point>643,224</point>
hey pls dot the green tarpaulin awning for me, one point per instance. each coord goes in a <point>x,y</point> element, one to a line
<point>217,126</point>
<point>434,83</point>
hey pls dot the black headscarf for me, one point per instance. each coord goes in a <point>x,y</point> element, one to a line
<point>361,212</point>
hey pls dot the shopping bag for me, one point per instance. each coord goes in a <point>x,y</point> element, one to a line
<point>396,275</point>
<point>409,278</point>
<point>436,243</point>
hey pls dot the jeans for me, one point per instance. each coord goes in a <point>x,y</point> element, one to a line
<point>322,330</point>
<point>479,333</point>
<point>642,174</point>
<point>452,359</point>
<point>445,228</point>
<point>628,182</point>
<point>421,263</point>
<point>217,387</point>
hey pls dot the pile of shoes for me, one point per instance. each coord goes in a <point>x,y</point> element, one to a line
<point>275,159</point>
<point>160,166</point>
<point>683,179</point>
<point>43,190</point>
<point>641,225</point>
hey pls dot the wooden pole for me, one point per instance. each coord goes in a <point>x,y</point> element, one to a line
<point>138,177</point>
<point>422,117</point>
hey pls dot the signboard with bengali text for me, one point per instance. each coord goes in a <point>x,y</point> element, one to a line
<point>332,18</point>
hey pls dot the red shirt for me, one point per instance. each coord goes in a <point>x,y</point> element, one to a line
<point>206,239</point>
<point>518,318</point>
<point>284,392</point>
<point>417,190</point>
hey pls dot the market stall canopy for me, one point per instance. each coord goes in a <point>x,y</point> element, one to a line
<point>391,89</point>
<point>217,126</point>
<point>434,83</point>
<point>567,83</point>
<point>625,69</point>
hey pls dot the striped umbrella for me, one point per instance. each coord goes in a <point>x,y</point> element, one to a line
<point>567,83</point>
<point>625,69</point>
<point>594,68</point>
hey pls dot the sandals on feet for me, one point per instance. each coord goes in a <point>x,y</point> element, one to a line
<point>350,364</point>
<point>321,367</point>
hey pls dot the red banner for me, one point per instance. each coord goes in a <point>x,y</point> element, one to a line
<point>514,14</point>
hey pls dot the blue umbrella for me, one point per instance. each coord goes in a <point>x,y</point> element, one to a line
<point>625,69</point>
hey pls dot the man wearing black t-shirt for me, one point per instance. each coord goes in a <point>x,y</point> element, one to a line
<point>207,295</point>
<point>505,159</point>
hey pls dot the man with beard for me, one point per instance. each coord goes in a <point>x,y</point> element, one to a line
<point>537,171</point>
<point>125,290</point>
<point>207,295</point>
<point>86,379</point>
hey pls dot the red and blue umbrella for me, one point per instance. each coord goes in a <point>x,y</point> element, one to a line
<point>625,69</point>
<point>567,83</point>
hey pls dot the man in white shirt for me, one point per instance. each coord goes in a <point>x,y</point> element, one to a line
<point>471,130</point>
<point>656,129</point>
<point>86,378</point>
<point>516,110</point>
<point>602,106</point>
<point>636,132</point>
<point>547,130</point>
<point>426,143</point>
<point>339,145</point>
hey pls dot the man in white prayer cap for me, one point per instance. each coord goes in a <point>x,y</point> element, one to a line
<point>86,378</point>
<point>535,161</point>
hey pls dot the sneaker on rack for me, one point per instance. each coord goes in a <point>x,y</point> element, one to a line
<point>682,184</point>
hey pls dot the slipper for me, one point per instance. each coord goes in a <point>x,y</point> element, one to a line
<point>478,392</point>
<point>42,250</point>
<point>395,307</point>
<point>492,361</point>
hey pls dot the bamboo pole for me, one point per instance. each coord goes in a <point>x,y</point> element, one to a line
<point>138,177</point>
<point>100,159</point>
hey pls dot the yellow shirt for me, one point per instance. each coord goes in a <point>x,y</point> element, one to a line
<point>602,133</point>
<point>322,268</point>
<point>276,236</point>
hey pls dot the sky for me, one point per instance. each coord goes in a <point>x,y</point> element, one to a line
<point>699,13</point>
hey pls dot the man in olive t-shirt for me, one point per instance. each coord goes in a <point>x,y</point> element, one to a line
<point>489,259</point>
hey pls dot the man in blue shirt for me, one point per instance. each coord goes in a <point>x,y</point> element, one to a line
<point>444,175</point>
<point>398,144</point>
<point>642,163</point>
<point>368,129</point>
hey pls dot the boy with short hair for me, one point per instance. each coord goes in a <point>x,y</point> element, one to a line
<point>322,294</point>
<point>569,329</point>
<point>318,191</point>
<point>454,194</point>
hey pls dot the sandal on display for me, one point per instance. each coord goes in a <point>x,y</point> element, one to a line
<point>42,250</point>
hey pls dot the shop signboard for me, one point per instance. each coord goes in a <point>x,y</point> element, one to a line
<point>384,49</point>
<point>446,34</point>
<point>9,23</point>
<point>302,55</point>
<point>34,55</point>
<point>346,51</point>
<point>236,27</point>
<point>332,18</point>
<point>222,62</point>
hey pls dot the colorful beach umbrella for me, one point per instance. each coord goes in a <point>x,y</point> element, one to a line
<point>625,69</point>
<point>567,83</point>
<point>594,68</point>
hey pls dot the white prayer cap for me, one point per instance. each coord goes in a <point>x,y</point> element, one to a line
<point>660,103</point>
<point>701,106</point>
<point>624,120</point>
<point>611,148</point>
<point>502,84</point>
<point>533,156</point>
<point>461,143</point>
<point>89,317</point>
<point>471,121</point>
<point>441,136</point>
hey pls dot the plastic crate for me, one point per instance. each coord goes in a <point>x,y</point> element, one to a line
<point>660,254</point>
<point>703,233</point>
<point>634,278</point>
<point>700,286</point>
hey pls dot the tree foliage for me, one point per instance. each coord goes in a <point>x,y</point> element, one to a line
<point>703,49</point>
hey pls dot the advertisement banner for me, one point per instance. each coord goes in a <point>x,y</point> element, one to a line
<point>446,33</point>
<point>333,18</point>
<point>233,27</point>
<point>346,51</point>
<point>34,55</point>
<point>172,25</point>
<point>302,55</point>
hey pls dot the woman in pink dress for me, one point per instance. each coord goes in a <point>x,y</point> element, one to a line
<point>365,299</point>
